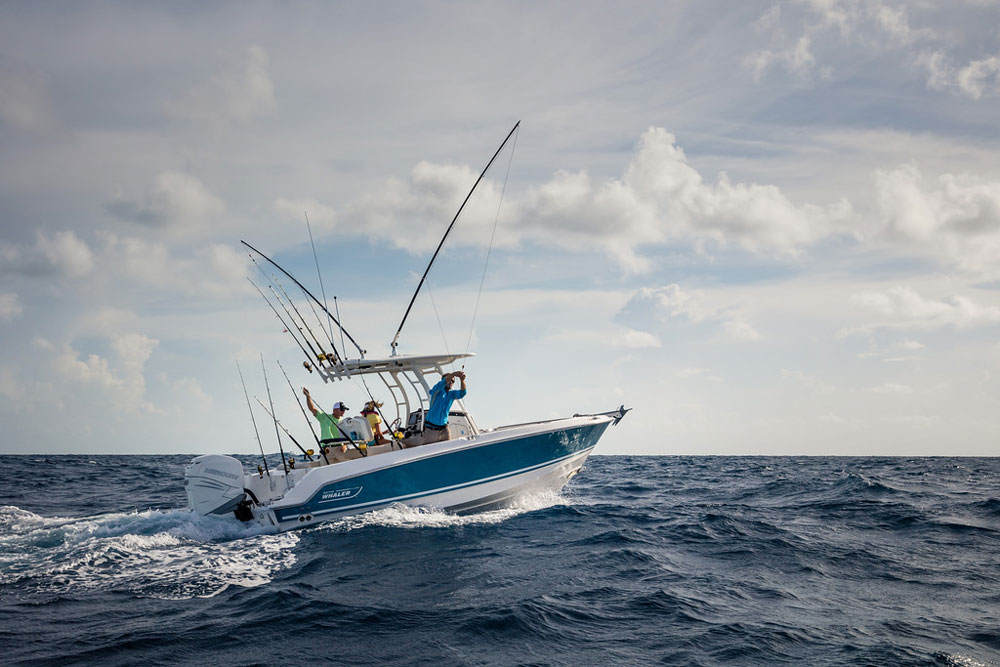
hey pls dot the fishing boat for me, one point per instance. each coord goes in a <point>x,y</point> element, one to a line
<point>476,470</point>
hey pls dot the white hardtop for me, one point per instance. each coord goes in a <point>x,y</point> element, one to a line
<point>399,364</point>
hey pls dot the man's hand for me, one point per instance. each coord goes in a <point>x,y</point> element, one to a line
<point>305,392</point>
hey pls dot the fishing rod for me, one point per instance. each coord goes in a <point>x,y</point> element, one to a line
<point>322,328</point>
<point>276,421</point>
<point>303,319</point>
<point>291,318</point>
<point>343,345</point>
<point>310,295</point>
<point>250,408</point>
<point>319,356</point>
<point>304,415</point>
<point>301,347</point>
<point>489,250</point>
<point>395,339</point>
<point>337,308</point>
<point>276,433</point>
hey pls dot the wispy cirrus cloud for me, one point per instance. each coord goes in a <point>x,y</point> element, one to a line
<point>807,38</point>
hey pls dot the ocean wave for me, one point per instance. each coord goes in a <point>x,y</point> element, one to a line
<point>670,560</point>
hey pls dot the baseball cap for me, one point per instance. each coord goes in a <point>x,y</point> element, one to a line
<point>339,405</point>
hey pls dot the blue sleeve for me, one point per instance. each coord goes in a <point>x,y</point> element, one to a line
<point>456,394</point>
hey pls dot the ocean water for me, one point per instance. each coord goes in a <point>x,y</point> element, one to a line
<point>640,560</point>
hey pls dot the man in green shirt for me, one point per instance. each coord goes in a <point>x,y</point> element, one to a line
<point>327,422</point>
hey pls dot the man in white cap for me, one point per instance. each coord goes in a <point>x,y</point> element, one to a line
<point>327,422</point>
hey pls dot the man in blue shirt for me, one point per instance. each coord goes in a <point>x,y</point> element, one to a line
<point>436,419</point>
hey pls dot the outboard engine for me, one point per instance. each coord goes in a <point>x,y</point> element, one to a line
<point>214,484</point>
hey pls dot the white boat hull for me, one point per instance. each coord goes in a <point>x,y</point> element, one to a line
<point>489,470</point>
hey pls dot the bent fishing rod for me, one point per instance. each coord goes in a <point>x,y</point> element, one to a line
<point>309,294</point>
<point>395,339</point>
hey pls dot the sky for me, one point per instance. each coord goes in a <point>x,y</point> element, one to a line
<point>767,227</point>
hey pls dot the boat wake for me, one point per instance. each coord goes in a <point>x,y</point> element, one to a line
<point>171,554</point>
<point>404,516</point>
<point>179,554</point>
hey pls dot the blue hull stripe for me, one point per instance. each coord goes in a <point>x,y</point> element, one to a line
<point>448,471</point>
<point>426,493</point>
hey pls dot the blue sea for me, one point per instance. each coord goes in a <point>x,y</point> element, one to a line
<point>640,560</point>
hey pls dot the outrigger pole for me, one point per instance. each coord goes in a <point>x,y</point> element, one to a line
<point>308,293</point>
<point>395,339</point>
<point>250,408</point>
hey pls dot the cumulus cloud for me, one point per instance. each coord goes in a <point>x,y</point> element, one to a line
<point>660,198</point>
<point>242,91</point>
<point>121,378</point>
<point>903,307</point>
<point>177,202</point>
<point>10,306</point>
<point>59,254</point>
<point>25,102</point>
<point>426,203</point>
<point>957,218</point>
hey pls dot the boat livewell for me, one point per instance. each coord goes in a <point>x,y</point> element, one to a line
<point>476,470</point>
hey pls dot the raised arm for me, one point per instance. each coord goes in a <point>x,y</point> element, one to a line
<point>309,402</point>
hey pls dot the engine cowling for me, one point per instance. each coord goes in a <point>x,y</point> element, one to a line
<point>214,484</point>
